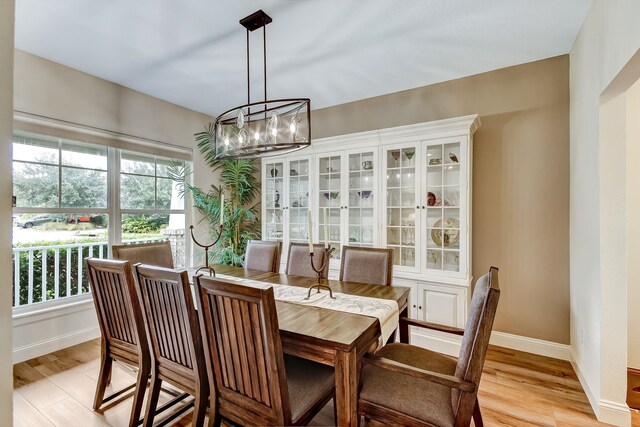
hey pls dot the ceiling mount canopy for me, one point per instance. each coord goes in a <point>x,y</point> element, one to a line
<point>258,129</point>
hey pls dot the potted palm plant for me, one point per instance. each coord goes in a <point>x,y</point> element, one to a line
<point>240,185</point>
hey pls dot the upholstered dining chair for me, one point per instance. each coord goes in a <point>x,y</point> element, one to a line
<point>366,265</point>
<point>251,381</point>
<point>154,253</point>
<point>409,385</point>
<point>299,264</point>
<point>263,256</point>
<point>174,338</point>
<point>122,329</point>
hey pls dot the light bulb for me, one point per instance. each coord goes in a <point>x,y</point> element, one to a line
<point>292,127</point>
<point>272,125</point>
<point>226,141</point>
<point>243,137</point>
<point>257,136</point>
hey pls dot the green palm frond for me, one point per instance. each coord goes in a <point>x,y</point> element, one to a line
<point>241,186</point>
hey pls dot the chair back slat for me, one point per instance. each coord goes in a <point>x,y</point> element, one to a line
<point>117,306</point>
<point>153,253</point>
<point>475,342</point>
<point>243,351</point>
<point>171,324</point>
<point>298,263</point>
<point>373,266</point>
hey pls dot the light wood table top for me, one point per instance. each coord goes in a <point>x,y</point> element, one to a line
<point>341,329</point>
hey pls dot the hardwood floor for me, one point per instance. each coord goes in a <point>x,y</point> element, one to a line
<point>517,389</point>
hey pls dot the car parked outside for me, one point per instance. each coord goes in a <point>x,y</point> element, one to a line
<point>38,220</point>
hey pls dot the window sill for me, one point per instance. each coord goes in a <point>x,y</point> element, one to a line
<point>50,309</point>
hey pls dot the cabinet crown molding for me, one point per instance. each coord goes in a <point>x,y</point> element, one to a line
<point>463,124</point>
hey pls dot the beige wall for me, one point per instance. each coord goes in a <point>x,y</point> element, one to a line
<point>633,226</point>
<point>49,89</point>
<point>6,124</point>
<point>520,179</point>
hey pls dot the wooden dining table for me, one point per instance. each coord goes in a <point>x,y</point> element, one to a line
<point>326,336</point>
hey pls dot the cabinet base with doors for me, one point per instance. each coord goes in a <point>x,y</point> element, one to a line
<point>407,188</point>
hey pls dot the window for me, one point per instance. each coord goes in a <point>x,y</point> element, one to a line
<point>150,201</point>
<point>70,203</point>
<point>52,173</point>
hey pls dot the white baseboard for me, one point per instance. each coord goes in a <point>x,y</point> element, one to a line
<point>614,413</point>
<point>606,411</point>
<point>450,344</point>
<point>595,405</point>
<point>531,345</point>
<point>30,351</point>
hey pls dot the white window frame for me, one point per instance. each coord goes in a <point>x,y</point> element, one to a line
<point>113,210</point>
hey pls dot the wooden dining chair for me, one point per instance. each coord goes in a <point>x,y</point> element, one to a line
<point>122,330</point>
<point>299,263</point>
<point>409,385</point>
<point>153,253</point>
<point>174,338</point>
<point>373,266</point>
<point>263,256</point>
<point>254,383</point>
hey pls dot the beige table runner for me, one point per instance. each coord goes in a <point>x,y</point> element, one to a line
<point>386,311</point>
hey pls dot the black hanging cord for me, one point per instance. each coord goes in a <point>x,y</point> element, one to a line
<point>264,54</point>
<point>248,72</point>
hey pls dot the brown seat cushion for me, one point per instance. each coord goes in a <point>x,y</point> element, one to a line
<point>308,382</point>
<point>417,398</point>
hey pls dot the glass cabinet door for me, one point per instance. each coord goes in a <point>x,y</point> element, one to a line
<point>329,200</point>
<point>443,198</point>
<point>402,209</point>
<point>298,204</point>
<point>274,200</point>
<point>361,199</point>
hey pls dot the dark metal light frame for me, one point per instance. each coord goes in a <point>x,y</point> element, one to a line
<point>264,128</point>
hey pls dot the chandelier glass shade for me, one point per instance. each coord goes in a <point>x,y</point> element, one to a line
<point>260,129</point>
<point>263,128</point>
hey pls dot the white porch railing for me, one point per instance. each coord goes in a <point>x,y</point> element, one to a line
<point>63,274</point>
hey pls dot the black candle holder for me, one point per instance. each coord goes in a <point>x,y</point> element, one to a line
<point>211,270</point>
<point>327,255</point>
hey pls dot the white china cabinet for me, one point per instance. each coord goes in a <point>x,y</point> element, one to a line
<point>347,188</point>
<point>406,188</point>
<point>285,199</point>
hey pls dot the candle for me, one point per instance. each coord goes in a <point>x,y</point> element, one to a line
<point>326,230</point>
<point>310,233</point>
<point>221,208</point>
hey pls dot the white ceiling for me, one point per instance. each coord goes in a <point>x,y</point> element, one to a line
<point>192,52</point>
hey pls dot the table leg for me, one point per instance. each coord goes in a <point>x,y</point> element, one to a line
<point>346,388</point>
<point>404,331</point>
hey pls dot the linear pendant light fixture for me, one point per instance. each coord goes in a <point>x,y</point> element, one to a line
<point>263,128</point>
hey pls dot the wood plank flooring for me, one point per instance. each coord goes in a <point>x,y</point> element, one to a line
<point>517,389</point>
